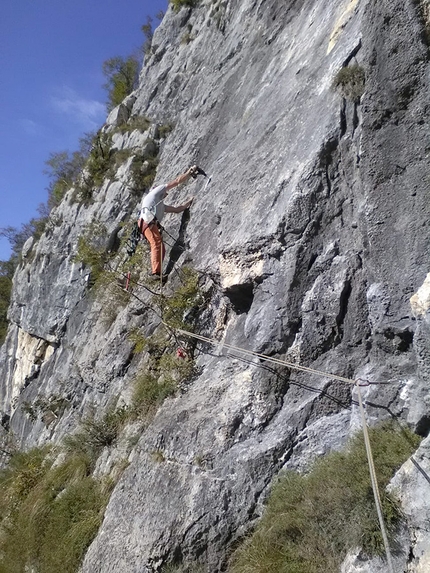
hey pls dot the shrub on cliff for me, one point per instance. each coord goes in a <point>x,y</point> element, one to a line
<point>143,169</point>
<point>122,75</point>
<point>92,249</point>
<point>6,274</point>
<point>349,82</point>
<point>95,434</point>
<point>16,237</point>
<point>64,168</point>
<point>313,520</point>
<point>178,4</point>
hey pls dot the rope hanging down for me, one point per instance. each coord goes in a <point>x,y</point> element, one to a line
<point>356,383</point>
<point>374,482</point>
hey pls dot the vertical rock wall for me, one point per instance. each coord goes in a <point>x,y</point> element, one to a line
<point>311,239</point>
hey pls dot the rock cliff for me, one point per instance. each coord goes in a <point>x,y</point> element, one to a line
<point>309,243</point>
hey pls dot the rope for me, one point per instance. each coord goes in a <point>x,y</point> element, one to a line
<point>369,454</point>
<point>374,481</point>
<point>420,469</point>
<point>161,267</point>
<point>266,358</point>
<point>129,279</point>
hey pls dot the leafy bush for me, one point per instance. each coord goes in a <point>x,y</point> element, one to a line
<point>143,170</point>
<point>105,281</point>
<point>54,405</point>
<point>182,568</point>
<point>178,4</point>
<point>161,378</point>
<point>91,249</point>
<point>122,75</point>
<point>165,129</point>
<point>165,371</point>
<point>104,160</point>
<point>99,166</point>
<point>349,82</point>
<point>138,340</point>
<point>148,33</point>
<point>137,122</point>
<point>150,392</point>
<point>64,168</point>
<point>96,434</point>
<point>180,309</point>
<point>6,274</point>
<point>313,520</point>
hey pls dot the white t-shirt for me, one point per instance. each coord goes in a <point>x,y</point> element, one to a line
<point>152,204</point>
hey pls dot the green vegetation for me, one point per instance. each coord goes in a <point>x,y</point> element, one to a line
<point>165,129</point>
<point>84,169</point>
<point>165,372</point>
<point>178,4</point>
<point>64,168</point>
<point>103,161</point>
<point>99,161</point>
<point>187,37</point>
<point>182,569</point>
<point>49,513</point>
<point>158,381</point>
<point>16,238</point>
<point>96,434</point>
<point>122,75</point>
<point>162,377</point>
<point>313,520</point>
<point>99,166</point>
<point>6,275</point>
<point>52,406</point>
<point>136,122</point>
<point>91,249</point>
<point>105,282</point>
<point>147,34</point>
<point>181,308</point>
<point>350,82</point>
<point>143,169</point>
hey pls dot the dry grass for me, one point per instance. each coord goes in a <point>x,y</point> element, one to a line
<point>312,520</point>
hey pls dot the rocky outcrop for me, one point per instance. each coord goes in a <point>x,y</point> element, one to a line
<point>310,241</point>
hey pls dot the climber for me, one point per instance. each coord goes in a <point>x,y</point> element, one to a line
<point>152,211</point>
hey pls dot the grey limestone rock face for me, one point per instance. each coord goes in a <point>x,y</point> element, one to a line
<point>311,239</point>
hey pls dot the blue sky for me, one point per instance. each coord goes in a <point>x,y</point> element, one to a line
<point>51,55</point>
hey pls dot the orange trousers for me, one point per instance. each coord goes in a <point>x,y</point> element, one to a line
<point>153,236</point>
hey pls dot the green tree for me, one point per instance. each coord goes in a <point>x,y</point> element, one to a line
<point>148,34</point>
<point>122,75</point>
<point>6,274</point>
<point>16,237</point>
<point>16,240</point>
<point>63,168</point>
